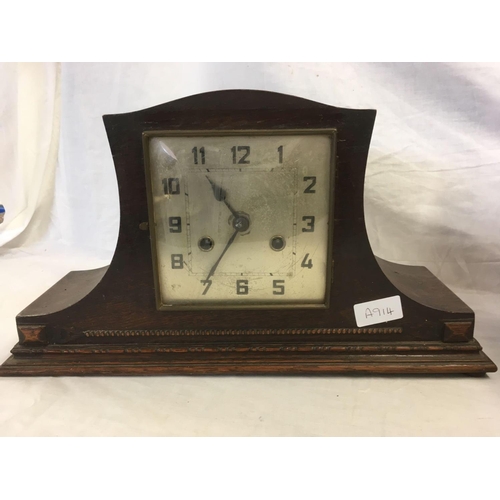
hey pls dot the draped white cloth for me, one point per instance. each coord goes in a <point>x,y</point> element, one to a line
<point>431,198</point>
<point>30,122</point>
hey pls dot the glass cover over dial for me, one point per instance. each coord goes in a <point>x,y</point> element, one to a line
<point>241,219</point>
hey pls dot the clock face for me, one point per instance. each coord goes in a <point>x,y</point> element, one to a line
<point>241,220</point>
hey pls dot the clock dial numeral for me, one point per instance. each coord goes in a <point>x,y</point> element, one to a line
<point>280,154</point>
<point>278,287</point>
<point>177,261</point>
<point>309,220</point>
<point>243,159</point>
<point>195,154</point>
<point>306,262</point>
<point>171,185</point>
<point>208,284</point>
<point>175,224</point>
<point>309,189</point>
<point>242,287</point>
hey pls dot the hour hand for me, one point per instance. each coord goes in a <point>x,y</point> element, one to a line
<point>220,195</point>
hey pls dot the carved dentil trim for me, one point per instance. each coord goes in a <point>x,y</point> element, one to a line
<point>284,331</point>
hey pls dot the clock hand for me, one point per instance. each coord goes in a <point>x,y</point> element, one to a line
<point>220,195</point>
<point>241,223</point>
<point>229,243</point>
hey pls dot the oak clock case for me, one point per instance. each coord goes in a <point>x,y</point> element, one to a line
<point>242,248</point>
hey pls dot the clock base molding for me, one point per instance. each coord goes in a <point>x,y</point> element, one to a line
<point>254,359</point>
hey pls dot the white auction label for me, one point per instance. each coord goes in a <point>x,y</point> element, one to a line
<point>378,311</point>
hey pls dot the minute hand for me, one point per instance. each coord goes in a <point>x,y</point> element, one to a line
<point>214,267</point>
<point>220,195</point>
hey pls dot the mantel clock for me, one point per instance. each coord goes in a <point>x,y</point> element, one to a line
<point>242,248</point>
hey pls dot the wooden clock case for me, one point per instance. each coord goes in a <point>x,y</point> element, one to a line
<point>105,321</point>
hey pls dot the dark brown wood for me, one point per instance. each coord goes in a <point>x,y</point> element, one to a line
<point>416,357</point>
<point>106,321</point>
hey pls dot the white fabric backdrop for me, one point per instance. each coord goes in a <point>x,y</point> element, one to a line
<point>30,117</point>
<point>431,198</point>
<point>433,173</point>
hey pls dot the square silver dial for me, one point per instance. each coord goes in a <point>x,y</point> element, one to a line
<point>241,219</point>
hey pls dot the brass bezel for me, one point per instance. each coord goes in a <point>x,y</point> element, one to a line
<point>149,134</point>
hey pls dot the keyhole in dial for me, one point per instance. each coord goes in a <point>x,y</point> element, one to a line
<point>277,243</point>
<point>206,243</point>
